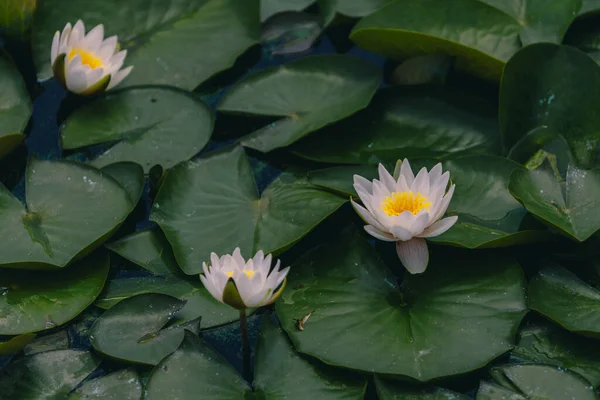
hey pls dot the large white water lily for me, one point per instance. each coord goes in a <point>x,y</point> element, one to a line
<point>406,210</point>
<point>87,64</point>
<point>243,284</point>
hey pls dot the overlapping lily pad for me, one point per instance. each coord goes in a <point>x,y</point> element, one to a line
<point>212,205</point>
<point>46,376</point>
<point>561,296</point>
<point>409,122</point>
<point>390,390</point>
<point>575,212</point>
<point>33,301</point>
<point>15,106</point>
<point>556,88</point>
<point>482,37</point>
<point>279,373</point>
<point>121,385</point>
<point>150,125</point>
<point>179,43</point>
<point>535,381</point>
<point>362,320</point>
<point>70,209</point>
<point>16,17</point>
<point>15,344</point>
<point>307,94</point>
<point>130,176</point>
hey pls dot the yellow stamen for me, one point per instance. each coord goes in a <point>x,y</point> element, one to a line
<point>229,274</point>
<point>87,57</point>
<point>398,202</point>
<point>249,273</point>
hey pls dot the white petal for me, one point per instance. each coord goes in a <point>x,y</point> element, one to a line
<point>406,172</point>
<point>376,233</point>
<point>108,49</point>
<point>75,76</point>
<point>380,191</point>
<point>238,259</point>
<point>404,220</point>
<point>211,288</point>
<point>401,233</point>
<point>438,187</point>
<point>93,40</point>
<point>281,276</point>
<point>266,264</point>
<point>54,49</point>
<point>118,76</point>
<point>366,215</point>
<point>386,178</point>
<point>421,183</point>
<point>414,255</point>
<point>64,37</point>
<point>402,185</point>
<point>360,181</point>
<point>77,34</point>
<point>116,61</point>
<point>245,287</point>
<point>439,227</point>
<point>444,204</point>
<point>215,261</point>
<point>94,75</point>
<point>420,223</point>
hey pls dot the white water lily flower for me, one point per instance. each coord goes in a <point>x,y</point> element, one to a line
<point>87,64</point>
<point>243,284</point>
<point>406,210</point>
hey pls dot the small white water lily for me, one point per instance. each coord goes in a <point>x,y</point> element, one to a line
<point>243,284</point>
<point>87,64</point>
<point>406,210</point>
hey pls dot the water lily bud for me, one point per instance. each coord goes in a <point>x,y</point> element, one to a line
<point>406,210</point>
<point>87,64</point>
<point>243,284</point>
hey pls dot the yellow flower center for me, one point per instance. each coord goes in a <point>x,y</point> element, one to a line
<point>398,202</point>
<point>248,273</point>
<point>87,58</point>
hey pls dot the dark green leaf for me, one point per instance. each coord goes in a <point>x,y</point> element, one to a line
<point>120,385</point>
<point>269,8</point>
<point>15,106</point>
<point>307,94</point>
<point>390,390</point>
<point>130,176</point>
<point>15,344</point>
<point>58,340</point>
<point>15,18</point>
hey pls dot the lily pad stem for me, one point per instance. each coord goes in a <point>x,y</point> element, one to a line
<point>245,345</point>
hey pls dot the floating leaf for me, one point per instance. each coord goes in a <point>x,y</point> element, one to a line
<point>575,213</point>
<point>16,17</point>
<point>408,122</point>
<point>535,381</point>
<point>179,43</point>
<point>33,301</point>
<point>269,8</point>
<point>130,176</point>
<point>58,340</point>
<point>212,205</point>
<point>307,94</point>
<point>561,296</point>
<point>362,320</point>
<point>15,106</point>
<point>15,344</point>
<point>46,376</point>
<point>552,86</point>
<point>121,385</point>
<point>481,37</point>
<point>136,330</point>
<point>150,125</point>
<point>290,33</point>
<point>390,390</point>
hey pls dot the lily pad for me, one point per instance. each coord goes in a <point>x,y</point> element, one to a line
<point>149,125</point>
<point>481,37</point>
<point>280,373</point>
<point>556,87</point>
<point>130,176</point>
<point>561,296</point>
<point>212,205</point>
<point>362,320</point>
<point>15,106</point>
<point>307,94</point>
<point>46,376</point>
<point>70,209</point>
<point>174,43</point>
<point>268,8</point>
<point>535,381</point>
<point>550,344</point>
<point>15,344</point>
<point>575,213</point>
<point>16,17</point>
<point>136,329</point>
<point>390,390</point>
<point>409,122</point>
<point>33,301</point>
<point>121,385</point>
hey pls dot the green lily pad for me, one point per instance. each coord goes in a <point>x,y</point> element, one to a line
<point>561,296</point>
<point>307,94</point>
<point>33,301</point>
<point>390,390</point>
<point>173,43</point>
<point>575,213</point>
<point>362,320</point>
<point>70,209</point>
<point>550,344</point>
<point>552,86</point>
<point>409,122</point>
<point>136,329</point>
<point>268,8</point>
<point>150,125</point>
<point>212,205</point>
<point>15,106</point>
<point>58,340</point>
<point>16,17</point>
<point>481,37</point>
<point>535,381</point>
<point>130,176</point>
<point>15,344</point>
<point>121,385</point>
<point>279,373</point>
<point>46,376</point>
<point>355,8</point>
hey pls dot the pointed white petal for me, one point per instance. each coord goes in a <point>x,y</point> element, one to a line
<point>377,234</point>
<point>386,178</point>
<point>366,215</point>
<point>94,75</point>
<point>380,191</point>
<point>401,233</point>
<point>54,49</point>
<point>215,261</point>
<point>280,277</point>
<point>77,34</point>
<point>406,172</point>
<point>107,49</point>
<point>245,287</point>
<point>116,61</point>
<point>211,289</point>
<point>75,76</point>
<point>64,38</point>
<point>420,223</point>
<point>444,204</point>
<point>238,259</point>
<point>364,183</point>
<point>439,227</point>
<point>118,76</point>
<point>93,40</point>
<point>402,185</point>
<point>259,257</point>
<point>414,255</point>
<point>421,183</point>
